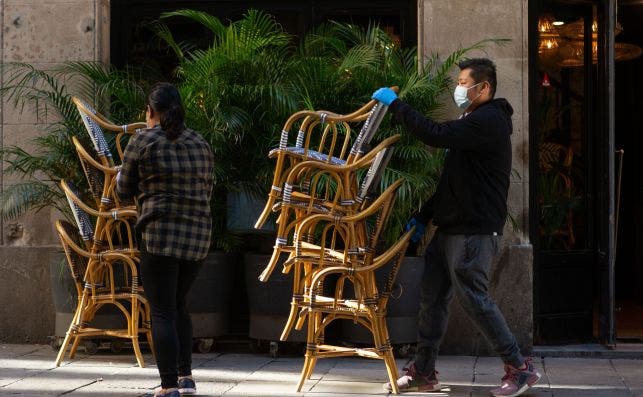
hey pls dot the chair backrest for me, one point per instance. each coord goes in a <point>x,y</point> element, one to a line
<point>374,175</point>
<point>72,242</point>
<point>368,129</point>
<point>95,177</point>
<point>94,130</point>
<point>100,179</point>
<point>85,226</point>
<point>382,208</point>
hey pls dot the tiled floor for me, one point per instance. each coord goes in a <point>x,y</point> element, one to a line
<point>27,370</point>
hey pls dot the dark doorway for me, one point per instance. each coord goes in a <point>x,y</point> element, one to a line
<point>134,44</point>
<point>564,137</point>
<point>629,138</point>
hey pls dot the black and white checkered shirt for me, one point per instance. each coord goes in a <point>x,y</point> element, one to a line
<point>172,180</point>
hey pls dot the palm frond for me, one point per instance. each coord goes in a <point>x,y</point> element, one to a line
<point>209,21</point>
<point>16,200</point>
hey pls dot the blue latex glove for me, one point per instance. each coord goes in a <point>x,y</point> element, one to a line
<point>385,95</point>
<point>420,228</point>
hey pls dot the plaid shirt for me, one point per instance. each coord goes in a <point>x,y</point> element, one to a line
<point>172,180</point>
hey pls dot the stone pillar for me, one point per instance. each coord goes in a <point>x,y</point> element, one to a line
<point>445,25</point>
<point>44,33</point>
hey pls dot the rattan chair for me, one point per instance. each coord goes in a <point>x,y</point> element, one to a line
<point>328,146</point>
<point>367,308</point>
<point>95,123</point>
<point>341,194</point>
<point>111,230</point>
<point>354,260</point>
<point>323,240</point>
<point>101,179</point>
<point>106,278</point>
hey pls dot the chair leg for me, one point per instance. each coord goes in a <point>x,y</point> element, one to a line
<point>74,346</point>
<point>391,368</point>
<point>380,334</point>
<point>309,358</point>
<point>63,347</point>
<point>137,352</point>
<point>304,370</point>
<point>145,306</point>
<point>311,367</point>
<point>294,305</point>
<point>133,327</point>
<point>274,259</point>
<point>291,320</point>
<point>150,342</point>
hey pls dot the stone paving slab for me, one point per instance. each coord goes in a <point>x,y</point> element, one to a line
<point>28,370</point>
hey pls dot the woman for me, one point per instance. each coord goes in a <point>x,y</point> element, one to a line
<point>168,168</point>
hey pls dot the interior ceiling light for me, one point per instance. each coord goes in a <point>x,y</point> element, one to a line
<point>563,43</point>
<point>547,36</point>
<point>572,34</point>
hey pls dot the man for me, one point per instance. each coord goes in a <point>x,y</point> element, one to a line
<point>469,209</point>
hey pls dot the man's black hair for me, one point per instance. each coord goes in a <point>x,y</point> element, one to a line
<point>482,69</point>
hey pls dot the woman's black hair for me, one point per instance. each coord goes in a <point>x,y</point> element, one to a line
<point>165,100</point>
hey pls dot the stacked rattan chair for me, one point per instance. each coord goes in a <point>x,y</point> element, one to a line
<point>330,216</point>
<point>101,249</point>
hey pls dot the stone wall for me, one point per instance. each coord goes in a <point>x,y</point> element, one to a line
<point>47,33</point>
<point>445,25</point>
<point>44,34</point>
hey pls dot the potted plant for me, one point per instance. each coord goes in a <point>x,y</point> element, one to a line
<point>52,157</point>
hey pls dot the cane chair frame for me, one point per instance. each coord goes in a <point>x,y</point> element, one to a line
<point>97,291</point>
<point>367,309</point>
<point>105,228</point>
<point>348,199</point>
<point>90,116</point>
<point>357,265</point>
<point>358,247</point>
<point>103,188</point>
<point>372,113</point>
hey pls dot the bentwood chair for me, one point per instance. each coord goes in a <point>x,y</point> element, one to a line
<point>314,196</point>
<point>355,262</point>
<point>112,229</point>
<point>323,240</point>
<point>367,308</point>
<point>101,179</point>
<point>326,146</point>
<point>106,278</point>
<point>95,123</point>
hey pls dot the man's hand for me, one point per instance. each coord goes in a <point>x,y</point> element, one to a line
<point>385,95</point>
<point>420,228</point>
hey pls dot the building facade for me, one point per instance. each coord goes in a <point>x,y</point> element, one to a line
<point>528,276</point>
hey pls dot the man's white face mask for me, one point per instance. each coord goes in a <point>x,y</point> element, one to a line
<point>460,96</point>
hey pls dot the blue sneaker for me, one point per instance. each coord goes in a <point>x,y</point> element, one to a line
<point>187,386</point>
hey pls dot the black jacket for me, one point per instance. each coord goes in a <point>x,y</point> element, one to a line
<point>471,197</point>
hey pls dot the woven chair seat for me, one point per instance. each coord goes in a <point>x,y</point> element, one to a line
<point>308,154</point>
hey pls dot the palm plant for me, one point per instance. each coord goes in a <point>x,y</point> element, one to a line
<point>341,65</point>
<point>237,92</point>
<point>53,158</point>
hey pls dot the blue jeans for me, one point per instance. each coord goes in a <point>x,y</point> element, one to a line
<point>457,264</point>
<point>167,282</point>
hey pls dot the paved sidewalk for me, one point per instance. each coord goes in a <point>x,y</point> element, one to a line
<point>28,370</point>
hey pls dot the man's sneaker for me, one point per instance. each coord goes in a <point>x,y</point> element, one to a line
<point>414,381</point>
<point>516,381</point>
<point>187,386</point>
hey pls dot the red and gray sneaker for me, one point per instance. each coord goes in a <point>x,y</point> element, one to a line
<point>414,381</point>
<point>516,381</point>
